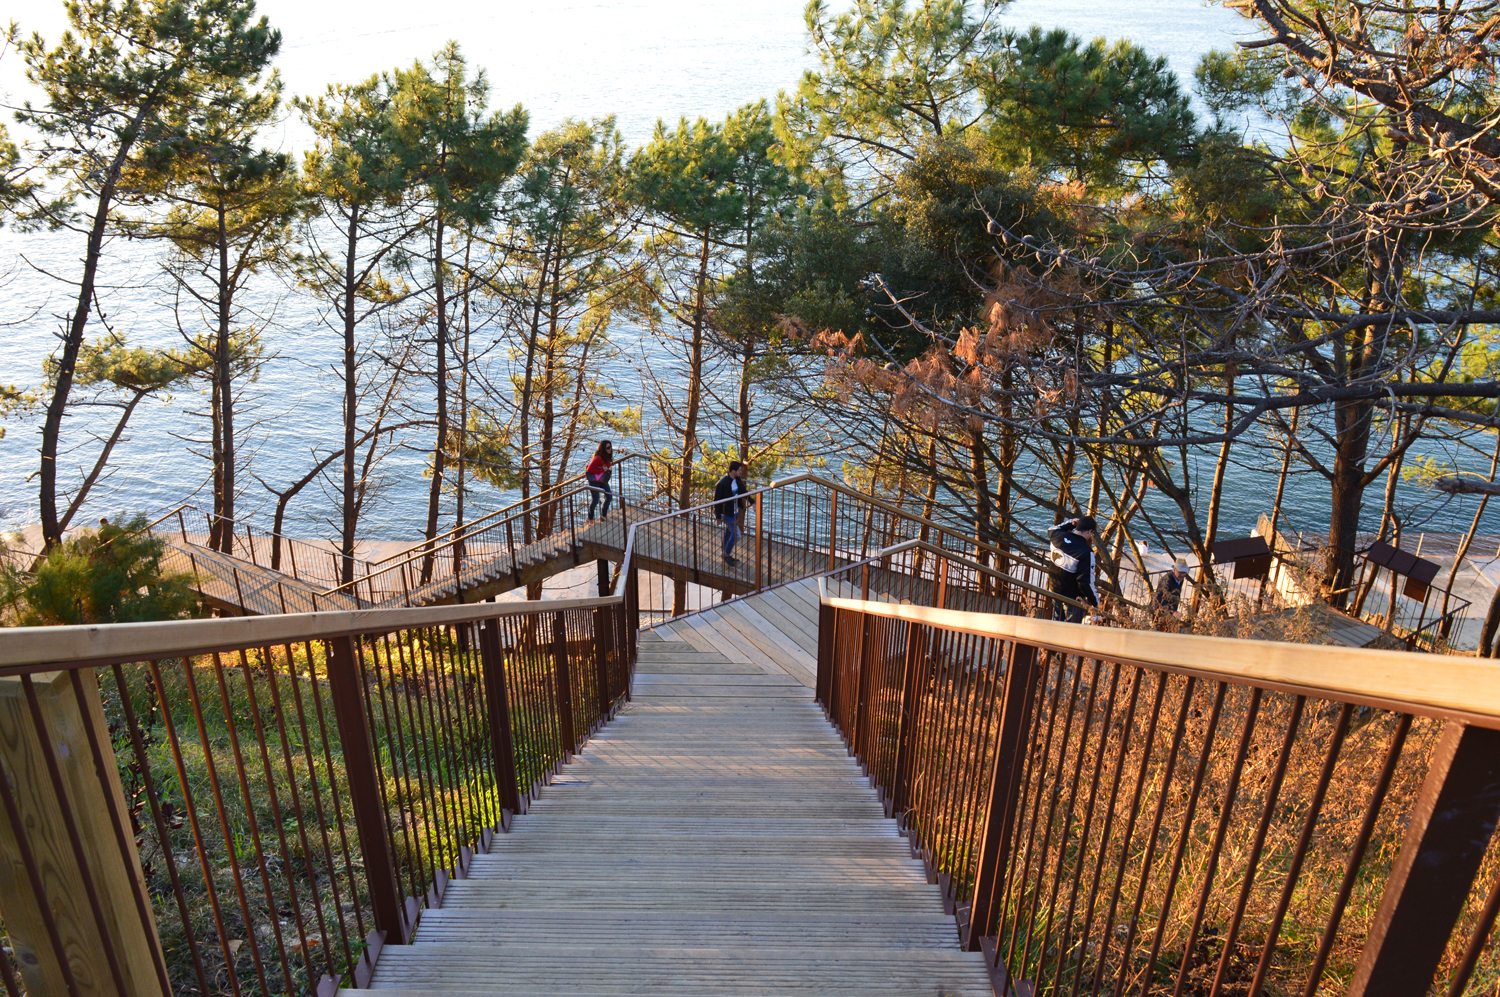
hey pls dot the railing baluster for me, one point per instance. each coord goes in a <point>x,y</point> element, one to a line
<point>1445,842</point>
<point>913,680</point>
<point>1004,791</point>
<point>603,650</point>
<point>759,537</point>
<point>346,690</point>
<point>833,530</point>
<point>563,678</point>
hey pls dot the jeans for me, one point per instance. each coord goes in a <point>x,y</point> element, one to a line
<point>598,489</point>
<point>731,534</point>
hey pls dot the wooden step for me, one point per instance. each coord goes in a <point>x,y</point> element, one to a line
<point>715,838</point>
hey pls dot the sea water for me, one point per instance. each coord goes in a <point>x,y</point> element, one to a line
<point>640,60</point>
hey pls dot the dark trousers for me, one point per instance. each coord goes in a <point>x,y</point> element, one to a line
<point>599,489</point>
<point>1067,587</point>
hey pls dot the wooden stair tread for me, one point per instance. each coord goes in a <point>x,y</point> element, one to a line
<point>715,838</point>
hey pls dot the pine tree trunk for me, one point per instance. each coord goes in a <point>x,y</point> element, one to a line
<point>744,413</point>
<point>1286,466</point>
<point>1352,419</point>
<point>224,479</point>
<point>67,361</point>
<point>349,516</point>
<point>1216,494</point>
<point>440,443</point>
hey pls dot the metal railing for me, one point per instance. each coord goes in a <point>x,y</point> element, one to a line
<point>501,545</point>
<point>919,574</point>
<point>801,527</point>
<point>1419,613</point>
<point>257,806</point>
<point>316,564</point>
<point>1283,587</point>
<point>630,481</point>
<point>1113,811</point>
<point>1422,614</point>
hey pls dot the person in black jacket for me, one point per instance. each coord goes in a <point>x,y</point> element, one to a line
<point>728,501</point>
<point>1073,555</point>
<point>1167,598</point>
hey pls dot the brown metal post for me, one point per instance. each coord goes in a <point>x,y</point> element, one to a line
<point>497,699</point>
<point>1445,842</point>
<point>563,676</point>
<point>941,599</point>
<point>913,680</point>
<point>827,621</point>
<point>833,530</point>
<point>864,585</point>
<point>604,641</point>
<point>862,685</point>
<point>603,568</point>
<point>759,534</point>
<point>510,540</point>
<point>346,690</point>
<point>1005,789</point>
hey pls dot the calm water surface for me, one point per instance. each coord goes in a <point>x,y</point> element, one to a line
<point>641,61</point>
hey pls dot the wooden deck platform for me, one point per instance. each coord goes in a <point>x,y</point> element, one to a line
<point>715,839</point>
<point>241,587</point>
<point>237,584</point>
<point>775,631</point>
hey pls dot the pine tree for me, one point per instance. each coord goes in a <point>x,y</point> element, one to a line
<point>458,154</point>
<point>114,86</point>
<point>232,205</point>
<point>566,269</point>
<point>359,189</point>
<point>684,182</point>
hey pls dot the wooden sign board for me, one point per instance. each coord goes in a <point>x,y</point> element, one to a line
<point>1251,556</point>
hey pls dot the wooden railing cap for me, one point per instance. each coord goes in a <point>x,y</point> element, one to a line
<point>22,648</point>
<point>1422,683</point>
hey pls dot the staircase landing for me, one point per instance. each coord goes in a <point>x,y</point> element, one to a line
<point>716,838</point>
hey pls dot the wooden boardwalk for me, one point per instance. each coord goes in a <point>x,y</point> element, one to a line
<point>715,839</point>
<point>776,631</point>
<point>238,584</point>
<point>244,588</point>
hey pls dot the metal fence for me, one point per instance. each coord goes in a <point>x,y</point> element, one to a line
<point>804,527</point>
<point>1112,811</point>
<point>258,806</point>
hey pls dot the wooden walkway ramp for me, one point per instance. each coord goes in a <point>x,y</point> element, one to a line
<point>243,587</point>
<point>775,630</point>
<point>716,838</point>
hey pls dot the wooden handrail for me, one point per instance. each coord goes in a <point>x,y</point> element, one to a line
<point>835,486</point>
<point>1009,579</point>
<point>423,554</point>
<point>468,527</point>
<point>1404,680</point>
<point>27,649</point>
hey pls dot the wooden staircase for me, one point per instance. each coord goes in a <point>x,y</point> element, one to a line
<point>716,838</point>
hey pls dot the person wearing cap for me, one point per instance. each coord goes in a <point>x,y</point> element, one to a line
<point>1168,594</point>
<point>1073,555</point>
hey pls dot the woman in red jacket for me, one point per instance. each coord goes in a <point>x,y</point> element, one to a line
<point>598,474</point>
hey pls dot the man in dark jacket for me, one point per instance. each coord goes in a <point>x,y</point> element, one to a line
<point>728,501</point>
<point>1168,595</point>
<point>1073,555</point>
